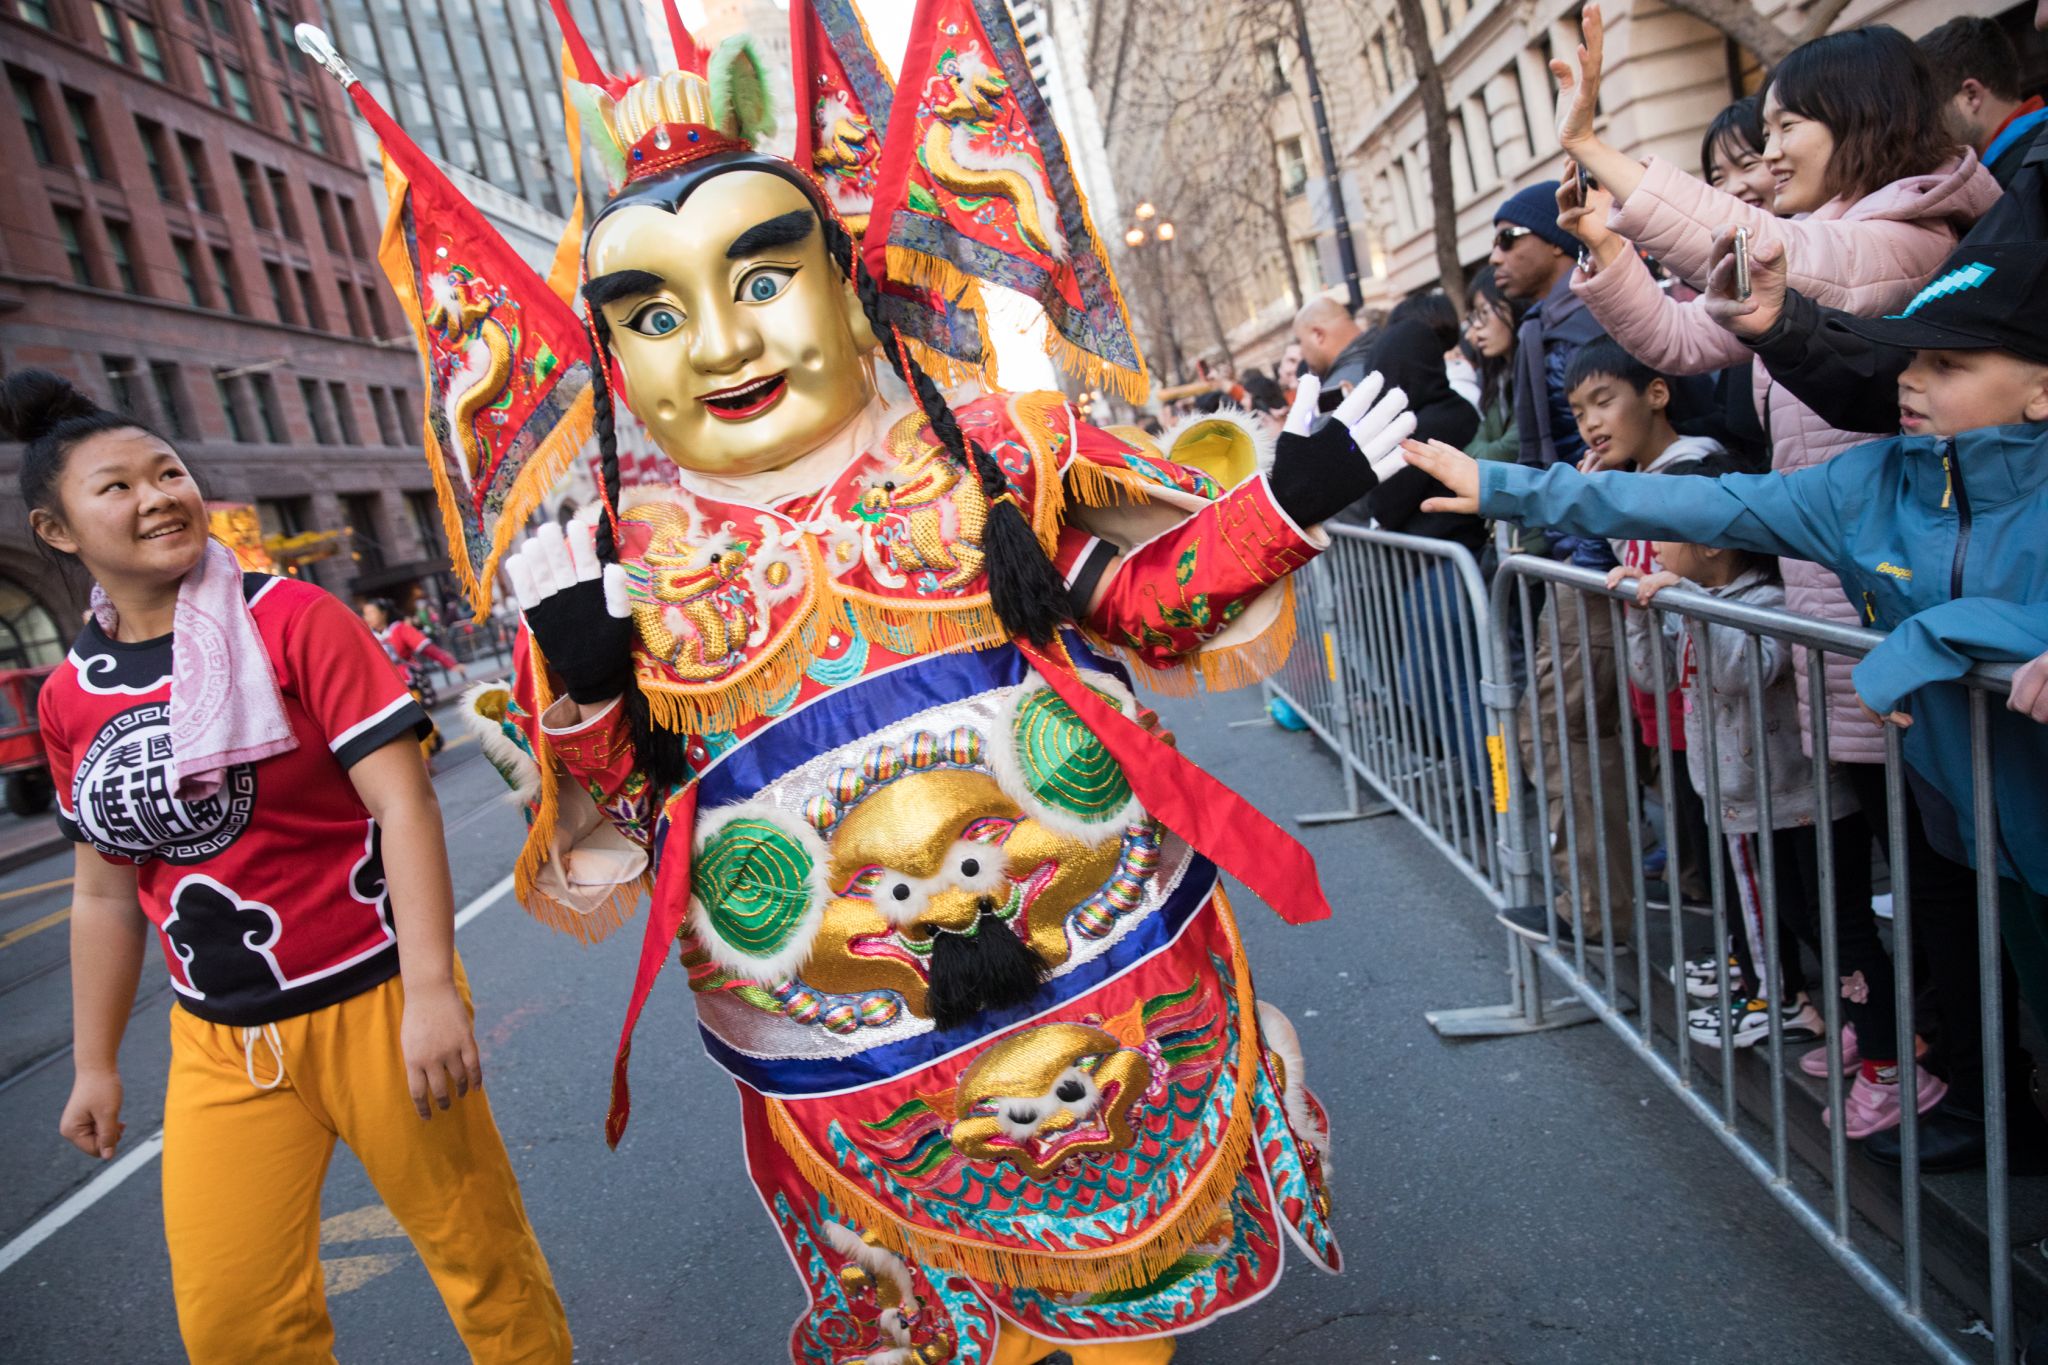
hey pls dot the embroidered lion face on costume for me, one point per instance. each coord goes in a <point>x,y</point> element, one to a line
<point>941,853</point>
<point>1047,1096</point>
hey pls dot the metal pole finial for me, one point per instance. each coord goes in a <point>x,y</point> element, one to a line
<point>313,41</point>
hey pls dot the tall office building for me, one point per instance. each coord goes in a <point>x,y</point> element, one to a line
<point>188,237</point>
<point>477,85</point>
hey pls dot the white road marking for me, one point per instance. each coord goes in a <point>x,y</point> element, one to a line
<point>98,1188</point>
<point>111,1179</point>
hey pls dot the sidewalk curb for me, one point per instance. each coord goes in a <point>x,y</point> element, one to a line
<point>14,859</point>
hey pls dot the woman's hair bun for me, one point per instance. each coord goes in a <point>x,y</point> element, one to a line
<point>36,402</point>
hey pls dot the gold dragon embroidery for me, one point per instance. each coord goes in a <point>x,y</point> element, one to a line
<point>465,320</point>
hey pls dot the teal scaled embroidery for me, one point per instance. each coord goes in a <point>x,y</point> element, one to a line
<point>848,666</point>
<point>1150,1165</point>
<point>1280,1150</point>
<point>1181,1292</point>
<point>831,1318</point>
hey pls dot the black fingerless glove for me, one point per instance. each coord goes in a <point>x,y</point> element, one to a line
<point>588,648</point>
<point>1316,476</point>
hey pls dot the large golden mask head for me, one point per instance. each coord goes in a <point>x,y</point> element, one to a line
<point>1047,1096</point>
<point>946,893</point>
<point>740,337</point>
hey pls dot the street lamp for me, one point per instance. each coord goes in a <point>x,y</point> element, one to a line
<point>1135,238</point>
<point>1164,232</point>
<point>1145,210</point>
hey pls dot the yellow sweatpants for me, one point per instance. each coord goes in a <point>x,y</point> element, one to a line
<point>1015,1346</point>
<point>250,1123</point>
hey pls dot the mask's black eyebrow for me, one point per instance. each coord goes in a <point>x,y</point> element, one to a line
<point>786,230</point>
<point>618,285</point>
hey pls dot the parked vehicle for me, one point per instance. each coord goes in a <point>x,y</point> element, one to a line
<point>24,765</point>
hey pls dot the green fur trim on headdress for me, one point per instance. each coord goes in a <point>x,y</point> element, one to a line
<point>740,103</point>
<point>591,127</point>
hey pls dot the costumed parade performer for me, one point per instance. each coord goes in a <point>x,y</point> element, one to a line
<point>845,702</point>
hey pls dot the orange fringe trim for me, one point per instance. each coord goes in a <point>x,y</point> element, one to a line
<point>538,849</point>
<point>967,623</point>
<point>592,926</point>
<point>1041,417</point>
<point>1100,485</point>
<point>1221,668</point>
<point>1129,1267</point>
<point>732,702</point>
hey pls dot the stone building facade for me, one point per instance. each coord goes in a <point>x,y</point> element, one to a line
<point>190,237</point>
<point>1668,73</point>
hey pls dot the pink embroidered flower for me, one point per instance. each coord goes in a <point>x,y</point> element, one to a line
<point>1855,988</point>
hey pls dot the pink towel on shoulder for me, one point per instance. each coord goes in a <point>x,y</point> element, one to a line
<point>225,705</point>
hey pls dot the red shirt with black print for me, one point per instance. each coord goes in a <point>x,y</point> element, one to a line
<point>269,896</point>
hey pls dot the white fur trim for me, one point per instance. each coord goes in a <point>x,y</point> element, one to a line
<point>781,965</point>
<point>1277,1030</point>
<point>508,758</point>
<point>1009,770</point>
<point>879,1262</point>
<point>1261,437</point>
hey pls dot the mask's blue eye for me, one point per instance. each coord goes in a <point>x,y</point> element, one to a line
<point>764,284</point>
<point>656,320</point>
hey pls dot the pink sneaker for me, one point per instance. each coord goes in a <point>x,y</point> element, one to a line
<point>1872,1108</point>
<point>1815,1063</point>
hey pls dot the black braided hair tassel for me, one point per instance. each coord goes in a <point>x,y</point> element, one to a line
<point>603,423</point>
<point>1023,586</point>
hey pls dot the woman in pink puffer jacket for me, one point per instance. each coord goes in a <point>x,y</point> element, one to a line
<point>1855,140</point>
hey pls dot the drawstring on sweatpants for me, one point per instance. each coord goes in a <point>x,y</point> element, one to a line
<point>268,1033</point>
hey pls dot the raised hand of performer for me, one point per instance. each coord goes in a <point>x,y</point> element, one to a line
<point>576,608</point>
<point>1322,467</point>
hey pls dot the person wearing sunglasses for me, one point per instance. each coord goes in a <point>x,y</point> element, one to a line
<point>1532,263</point>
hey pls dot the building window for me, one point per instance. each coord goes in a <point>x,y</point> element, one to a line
<point>309,301</point>
<point>281,200</point>
<point>224,390</point>
<point>351,308</point>
<point>344,413</point>
<point>426,522</point>
<point>1293,166</point>
<point>218,12</point>
<point>188,269</point>
<point>316,132</point>
<point>238,92</point>
<point>323,210</point>
<point>1269,65</point>
<point>350,227</point>
<point>291,119</point>
<point>380,409</point>
<point>280,295</point>
<point>293,57</point>
<point>253,198</point>
<point>110,31</point>
<point>152,135</point>
<point>209,72</point>
<point>198,174</point>
<point>167,387</point>
<point>264,27</point>
<point>120,373</point>
<point>149,54</point>
<point>118,247</point>
<point>72,232</point>
<point>268,410</point>
<point>361,511</point>
<point>316,411</point>
<point>224,280</point>
<point>36,12</point>
<point>373,302</point>
<point>79,109</point>
<point>31,111</point>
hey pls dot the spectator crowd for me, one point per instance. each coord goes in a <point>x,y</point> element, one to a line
<point>1809,374</point>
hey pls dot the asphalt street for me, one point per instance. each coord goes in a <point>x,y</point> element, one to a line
<point>1528,1200</point>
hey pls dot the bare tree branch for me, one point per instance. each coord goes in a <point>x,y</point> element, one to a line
<point>1740,21</point>
<point>1436,131</point>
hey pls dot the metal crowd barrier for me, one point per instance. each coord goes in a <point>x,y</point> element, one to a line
<point>1398,633</point>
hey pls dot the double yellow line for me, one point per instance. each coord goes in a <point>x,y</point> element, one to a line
<point>34,926</point>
